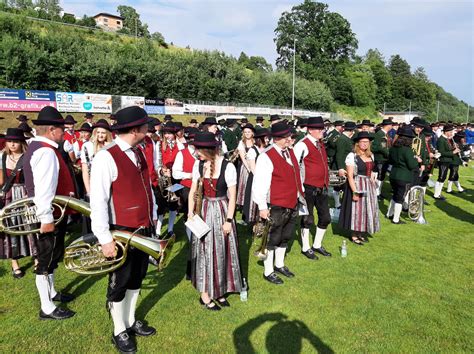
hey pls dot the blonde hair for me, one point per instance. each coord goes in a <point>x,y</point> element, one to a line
<point>23,145</point>
<point>108,139</point>
<point>244,139</point>
<point>358,151</point>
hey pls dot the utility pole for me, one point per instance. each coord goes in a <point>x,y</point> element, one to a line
<point>293,91</point>
<point>384,107</point>
<point>437,112</point>
<point>409,112</point>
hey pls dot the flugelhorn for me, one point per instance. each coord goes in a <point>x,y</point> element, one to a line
<point>261,231</point>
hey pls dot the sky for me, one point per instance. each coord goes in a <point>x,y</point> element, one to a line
<point>435,34</point>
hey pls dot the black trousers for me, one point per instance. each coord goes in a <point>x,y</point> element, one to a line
<point>443,171</point>
<point>283,227</point>
<point>184,195</point>
<point>130,275</point>
<point>382,168</point>
<point>316,197</point>
<point>399,189</point>
<point>453,173</point>
<point>51,249</point>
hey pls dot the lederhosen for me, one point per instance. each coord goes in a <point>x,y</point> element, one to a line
<point>316,183</point>
<point>50,245</point>
<point>129,209</point>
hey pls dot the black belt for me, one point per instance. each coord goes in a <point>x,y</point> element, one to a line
<point>147,231</point>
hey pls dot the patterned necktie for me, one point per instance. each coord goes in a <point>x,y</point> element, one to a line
<point>285,154</point>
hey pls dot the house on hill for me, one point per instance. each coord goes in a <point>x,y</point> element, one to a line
<point>109,22</point>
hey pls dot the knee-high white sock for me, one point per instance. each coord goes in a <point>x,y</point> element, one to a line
<point>318,238</point>
<point>171,220</point>
<point>424,190</point>
<point>390,208</point>
<point>379,187</point>
<point>268,263</point>
<point>280,257</point>
<point>44,291</point>
<point>438,188</point>
<point>130,304</point>
<point>304,240</point>
<point>397,210</point>
<point>159,224</point>
<point>53,291</point>
<point>117,311</point>
<point>337,202</point>
<point>450,187</point>
<point>458,186</point>
<point>189,234</point>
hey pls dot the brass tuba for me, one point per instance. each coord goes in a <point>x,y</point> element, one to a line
<point>261,231</point>
<point>416,204</point>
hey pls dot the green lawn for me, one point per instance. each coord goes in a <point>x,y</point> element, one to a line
<point>408,290</point>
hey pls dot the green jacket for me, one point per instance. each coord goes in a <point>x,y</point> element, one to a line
<point>331,143</point>
<point>403,163</point>
<point>343,147</point>
<point>380,147</point>
<point>424,155</point>
<point>231,140</point>
<point>445,149</point>
<point>299,136</point>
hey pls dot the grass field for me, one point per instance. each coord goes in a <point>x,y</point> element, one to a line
<point>408,290</point>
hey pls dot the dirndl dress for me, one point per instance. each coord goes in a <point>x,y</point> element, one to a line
<point>361,216</point>
<point>243,179</point>
<point>16,247</point>
<point>250,210</point>
<point>215,266</point>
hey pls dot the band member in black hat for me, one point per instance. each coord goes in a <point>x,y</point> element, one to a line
<point>428,134</point>
<point>404,163</point>
<point>447,150</point>
<point>301,129</point>
<point>366,126</point>
<point>277,186</point>
<point>344,146</point>
<point>331,139</point>
<point>230,135</point>
<point>313,161</point>
<point>274,118</point>
<point>259,121</point>
<point>89,117</point>
<point>215,269</point>
<point>380,147</point>
<point>121,198</point>
<point>168,118</point>
<point>12,183</point>
<point>22,118</point>
<point>210,125</point>
<point>458,140</point>
<point>419,148</point>
<point>46,175</point>
<point>243,148</point>
<point>193,123</point>
<point>27,131</point>
<point>360,210</point>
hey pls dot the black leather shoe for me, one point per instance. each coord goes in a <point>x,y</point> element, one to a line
<point>63,297</point>
<point>389,217</point>
<point>285,271</point>
<point>57,314</point>
<point>141,329</point>
<point>440,198</point>
<point>310,254</point>
<point>223,302</point>
<point>400,222</point>
<point>273,278</point>
<point>17,273</point>
<point>124,343</point>
<point>211,306</point>
<point>322,251</point>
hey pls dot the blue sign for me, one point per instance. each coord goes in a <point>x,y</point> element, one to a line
<point>34,95</point>
<point>155,109</point>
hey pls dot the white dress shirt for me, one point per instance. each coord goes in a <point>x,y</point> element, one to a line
<point>45,167</point>
<point>178,164</point>
<point>301,149</point>
<point>89,146</point>
<point>104,172</point>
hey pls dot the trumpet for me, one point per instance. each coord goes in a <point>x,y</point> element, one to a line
<point>261,231</point>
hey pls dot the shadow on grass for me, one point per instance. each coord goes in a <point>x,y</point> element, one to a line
<point>454,211</point>
<point>284,336</point>
<point>245,239</point>
<point>82,284</point>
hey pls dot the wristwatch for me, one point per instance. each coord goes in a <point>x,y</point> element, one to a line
<point>228,220</point>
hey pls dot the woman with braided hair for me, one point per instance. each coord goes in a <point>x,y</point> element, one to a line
<point>215,267</point>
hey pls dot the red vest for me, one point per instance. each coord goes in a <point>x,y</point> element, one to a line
<point>71,137</point>
<point>131,203</point>
<point>188,164</point>
<point>286,180</point>
<point>316,165</point>
<point>80,142</point>
<point>149,150</point>
<point>169,155</point>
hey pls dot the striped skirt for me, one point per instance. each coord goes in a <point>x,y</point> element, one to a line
<point>215,266</point>
<point>242,185</point>
<point>363,215</point>
<point>15,247</point>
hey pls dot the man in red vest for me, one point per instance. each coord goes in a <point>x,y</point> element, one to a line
<point>311,155</point>
<point>277,186</point>
<point>121,198</point>
<point>46,175</point>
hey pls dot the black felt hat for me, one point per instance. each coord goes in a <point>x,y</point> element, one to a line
<point>259,119</point>
<point>249,126</point>
<point>69,120</point>
<point>22,118</point>
<point>448,127</point>
<point>25,128</point>
<point>367,122</point>
<point>190,132</point>
<point>155,121</point>
<point>419,122</point>
<point>205,140</point>
<point>112,117</point>
<point>261,132</point>
<point>193,121</point>
<point>363,135</point>
<point>406,131</point>
<point>281,130</point>
<point>339,123</point>
<point>85,128</point>
<point>302,122</point>
<point>349,126</point>
<point>89,115</point>
<point>427,131</point>
<point>49,116</point>
<point>170,127</point>
<point>130,117</point>
<point>387,122</point>
<point>274,117</point>
<point>101,123</point>
<point>244,120</point>
<point>14,134</point>
<point>210,121</point>
<point>168,118</point>
<point>315,122</point>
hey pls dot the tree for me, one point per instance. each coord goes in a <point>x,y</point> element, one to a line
<point>362,84</point>
<point>158,37</point>
<point>51,7</point>
<point>401,87</point>
<point>69,18</point>
<point>87,21</point>
<point>256,63</point>
<point>323,39</point>
<point>21,4</point>
<point>132,23</point>
<point>382,77</point>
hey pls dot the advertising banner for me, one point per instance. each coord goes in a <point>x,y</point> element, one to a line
<point>83,102</point>
<point>25,100</point>
<point>155,105</point>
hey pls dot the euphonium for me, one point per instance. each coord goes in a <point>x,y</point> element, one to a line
<point>335,180</point>
<point>416,146</point>
<point>261,230</point>
<point>416,204</point>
